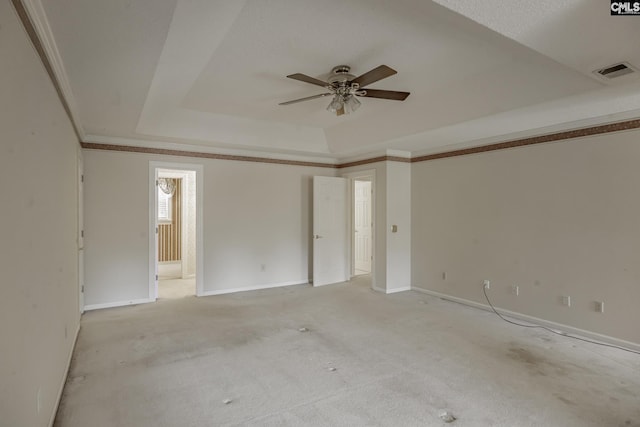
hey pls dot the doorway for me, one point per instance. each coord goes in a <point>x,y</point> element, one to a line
<point>362,226</point>
<point>362,238</point>
<point>176,230</point>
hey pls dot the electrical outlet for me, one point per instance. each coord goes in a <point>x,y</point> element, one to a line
<point>566,300</point>
<point>599,305</point>
<point>487,284</point>
<point>444,275</point>
<point>516,290</point>
<point>263,267</point>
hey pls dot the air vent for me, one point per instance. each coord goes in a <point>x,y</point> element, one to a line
<point>616,70</point>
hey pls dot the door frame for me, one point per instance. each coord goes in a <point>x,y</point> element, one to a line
<point>80,188</point>
<point>370,175</point>
<point>154,166</point>
<point>354,231</point>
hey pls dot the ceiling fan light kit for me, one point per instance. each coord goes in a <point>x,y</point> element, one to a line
<point>345,88</point>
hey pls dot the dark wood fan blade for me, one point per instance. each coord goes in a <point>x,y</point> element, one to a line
<point>307,79</point>
<point>305,99</point>
<point>378,73</point>
<point>386,94</point>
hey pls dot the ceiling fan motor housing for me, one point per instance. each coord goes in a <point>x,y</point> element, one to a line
<point>340,75</point>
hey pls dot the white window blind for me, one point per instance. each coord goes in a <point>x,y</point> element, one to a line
<point>164,206</point>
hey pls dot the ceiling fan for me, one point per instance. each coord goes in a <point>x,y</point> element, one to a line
<point>345,87</point>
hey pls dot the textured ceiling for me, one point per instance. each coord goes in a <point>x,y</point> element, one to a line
<point>208,75</point>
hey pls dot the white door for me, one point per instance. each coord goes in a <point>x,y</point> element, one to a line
<point>80,232</point>
<point>329,230</point>
<point>362,227</point>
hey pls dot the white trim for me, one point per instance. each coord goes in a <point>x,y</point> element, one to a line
<point>253,288</point>
<point>64,377</point>
<point>80,230</point>
<point>199,170</point>
<point>535,320</point>
<point>358,154</point>
<point>363,175</point>
<point>396,290</point>
<point>392,291</point>
<point>153,235</point>
<point>184,241</point>
<point>117,304</point>
<point>38,18</point>
<point>325,284</point>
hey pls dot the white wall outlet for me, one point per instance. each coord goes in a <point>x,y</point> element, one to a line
<point>487,284</point>
<point>599,306</point>
<point>263,267</point>
<point>566,300</point>
<point>516,290</point>
<point>444,275</point>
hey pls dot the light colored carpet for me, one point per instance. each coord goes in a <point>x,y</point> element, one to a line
<point>400,360</point>
<point>176,288</point>
<point>170,270</point>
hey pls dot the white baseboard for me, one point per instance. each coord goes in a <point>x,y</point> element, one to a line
<point>535,320</point>
<point>64,378</point>
<point>392,291</point>
<point>117,304</point>
<point>251,288</point>
<point>396,290</point>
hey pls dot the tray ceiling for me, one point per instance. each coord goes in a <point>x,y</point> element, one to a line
<point>208,75</point>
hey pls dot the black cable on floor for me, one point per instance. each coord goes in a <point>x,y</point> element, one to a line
<point>562,334</point>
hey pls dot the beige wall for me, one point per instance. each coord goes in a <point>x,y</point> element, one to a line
<point>556,219</point>
<point>398,214</point>
<point>39,314</point>
<point>392,206</point>
<point>254,214</point>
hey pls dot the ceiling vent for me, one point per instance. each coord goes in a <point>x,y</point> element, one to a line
<point>616,70</point>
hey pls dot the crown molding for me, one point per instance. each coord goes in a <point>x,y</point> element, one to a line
<point>387,156</point>
<point>34,20</point>
<point>194,154</point>
<point>534,140</point>
<point>199,150</point>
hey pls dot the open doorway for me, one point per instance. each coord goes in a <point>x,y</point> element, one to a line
<point>175,220</point>
<point>176,233</point>
<point>362,226</point>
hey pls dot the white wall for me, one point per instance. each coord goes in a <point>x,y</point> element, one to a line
<point>39,313</point>
<point>257,214</point>
<point>556,219</point>
<point>116,222</point>
<point>254,214</point>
